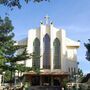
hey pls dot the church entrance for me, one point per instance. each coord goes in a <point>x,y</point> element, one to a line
<point>35,80</point>
<point>46,80</point>
<point>56,81</point>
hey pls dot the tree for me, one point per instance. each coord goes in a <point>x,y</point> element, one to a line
<point>87,45</point>
<point>8,49</point>
<point>17,3</point>
<point>80,72</point>
<point>77,75</point>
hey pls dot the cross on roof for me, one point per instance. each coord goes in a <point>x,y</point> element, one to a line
<point>47,19</point>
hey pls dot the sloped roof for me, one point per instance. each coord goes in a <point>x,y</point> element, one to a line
<point>72,43</point>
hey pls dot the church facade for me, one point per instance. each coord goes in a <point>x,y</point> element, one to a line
<point>55,54</point>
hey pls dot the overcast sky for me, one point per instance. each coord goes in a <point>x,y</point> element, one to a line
<point>71,15</point>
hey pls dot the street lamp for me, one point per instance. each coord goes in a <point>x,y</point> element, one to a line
<point>15,77</point>
<point>76,81</point>
<point>3,77</point>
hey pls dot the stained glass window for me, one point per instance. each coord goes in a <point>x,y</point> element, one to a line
<point>36,53</point>
<point>46,54</point>
<point>57,60</point>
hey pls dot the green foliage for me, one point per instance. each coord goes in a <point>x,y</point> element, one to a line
<point>17,3</point>
<point>87,45</point>
<point>8,49</point>
<point>80,72</point>
<point>76,75</point>
<point>22,68</point>
<point>64,82</point>
<point>6,41</point>
<point>7,76</point>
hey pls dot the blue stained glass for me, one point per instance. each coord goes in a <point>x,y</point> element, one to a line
<point>46,54</point>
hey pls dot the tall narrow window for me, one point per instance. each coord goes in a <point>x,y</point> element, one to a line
<point>57,60</point>
<point>46,54</point>
<point>74,70</point>
<point>36,52</point>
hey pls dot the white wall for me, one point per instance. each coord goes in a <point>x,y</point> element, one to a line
<point>68,46</point>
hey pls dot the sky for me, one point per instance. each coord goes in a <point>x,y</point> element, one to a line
<point>71,15</point>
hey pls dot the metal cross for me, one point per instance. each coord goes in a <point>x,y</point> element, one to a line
<point>47,19</point>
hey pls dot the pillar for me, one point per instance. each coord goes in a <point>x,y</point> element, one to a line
<point>51,80</point>
<point>30,80</point>
<point>0,79</point>
<point>40,80</point>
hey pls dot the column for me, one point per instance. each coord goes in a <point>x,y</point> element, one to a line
<point>40,80</point>
<point>30,81</point>
<point>0,79</point>
<point>41,59</point>
<point>51,80</point>
<point>52,64</point>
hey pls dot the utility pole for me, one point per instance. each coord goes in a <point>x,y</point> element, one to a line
<point>77,85</point>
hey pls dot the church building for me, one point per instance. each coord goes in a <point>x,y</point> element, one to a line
<point>56,55</point>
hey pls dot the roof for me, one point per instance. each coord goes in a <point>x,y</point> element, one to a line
<point>71,43</point>
<point>52,73</point>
